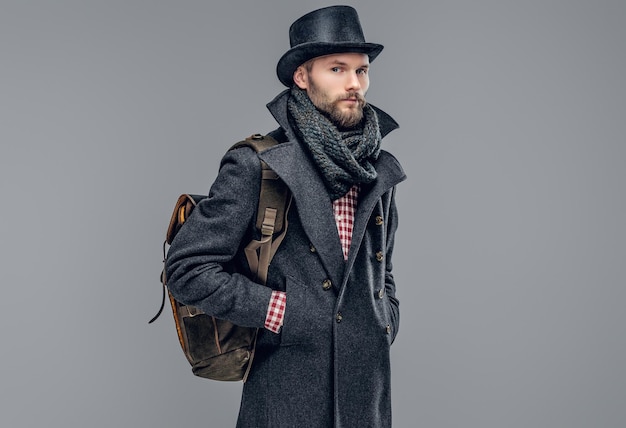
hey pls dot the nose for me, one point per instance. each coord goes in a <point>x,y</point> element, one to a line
<point>353,83</point>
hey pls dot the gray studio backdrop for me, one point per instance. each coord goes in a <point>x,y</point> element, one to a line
<point>512,246</point>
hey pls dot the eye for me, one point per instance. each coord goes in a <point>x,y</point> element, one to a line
<point>335,69</point>
<point>361,71</point>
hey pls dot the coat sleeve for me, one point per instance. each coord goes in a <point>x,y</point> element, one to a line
<point>390,285</point>
<point>200,262</point>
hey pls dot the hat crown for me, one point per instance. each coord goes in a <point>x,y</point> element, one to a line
<point>334,24</point>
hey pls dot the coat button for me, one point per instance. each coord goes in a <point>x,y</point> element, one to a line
<point>339,317</point>
<point>312,248</point>
<point>379,256</point>
<point>388,329</point>
<point>381,293</point>
<point>327,284</point>
<point>379,220</point>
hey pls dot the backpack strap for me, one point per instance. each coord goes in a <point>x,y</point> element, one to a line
<point>273,206</point>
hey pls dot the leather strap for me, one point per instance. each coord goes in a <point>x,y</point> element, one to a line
<point>260,253</point>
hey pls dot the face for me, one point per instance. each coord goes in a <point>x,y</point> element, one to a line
<point>336,84</point>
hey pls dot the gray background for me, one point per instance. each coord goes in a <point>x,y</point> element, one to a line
<point>511,256</point>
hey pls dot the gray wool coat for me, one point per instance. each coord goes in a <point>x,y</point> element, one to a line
<point>329,366</point>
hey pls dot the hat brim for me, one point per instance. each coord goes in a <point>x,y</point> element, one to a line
<point>300,54</point>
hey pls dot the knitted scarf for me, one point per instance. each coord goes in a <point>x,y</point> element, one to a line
<point>344,158</point>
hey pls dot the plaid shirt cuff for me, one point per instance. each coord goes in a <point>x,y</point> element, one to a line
<point>276,311</point>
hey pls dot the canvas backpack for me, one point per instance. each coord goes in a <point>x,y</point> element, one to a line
<point>215,348</point>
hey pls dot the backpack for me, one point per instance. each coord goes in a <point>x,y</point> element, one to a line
<point>218,349</point>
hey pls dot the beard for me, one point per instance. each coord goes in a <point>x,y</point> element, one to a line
<point>342,118</point>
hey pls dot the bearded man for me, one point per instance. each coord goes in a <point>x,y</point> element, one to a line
<point>328,312</point>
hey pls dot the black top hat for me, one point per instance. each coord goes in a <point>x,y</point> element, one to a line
<point>334,29</point>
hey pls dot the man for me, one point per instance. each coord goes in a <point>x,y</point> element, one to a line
<point>329,312</point>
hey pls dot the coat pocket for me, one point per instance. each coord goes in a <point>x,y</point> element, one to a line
<point>303,321</point>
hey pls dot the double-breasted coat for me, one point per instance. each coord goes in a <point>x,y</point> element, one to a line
<point>330,365</point>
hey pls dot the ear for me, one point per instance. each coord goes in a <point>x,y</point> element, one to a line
<point>300,77</point>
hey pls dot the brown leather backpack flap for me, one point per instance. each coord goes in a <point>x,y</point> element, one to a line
<point>182,210</point>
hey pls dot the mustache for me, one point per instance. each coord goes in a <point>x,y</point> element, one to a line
<point>355,95</point>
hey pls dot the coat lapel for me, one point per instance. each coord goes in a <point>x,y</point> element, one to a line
<point>312,202</point>
<point>390,173</point>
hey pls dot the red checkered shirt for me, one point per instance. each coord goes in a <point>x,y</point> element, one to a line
<point>343,209</point>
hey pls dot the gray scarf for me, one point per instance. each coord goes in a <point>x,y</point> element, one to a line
<point>343,157</point>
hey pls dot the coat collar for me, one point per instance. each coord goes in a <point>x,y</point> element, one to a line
<point>293,164</point>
